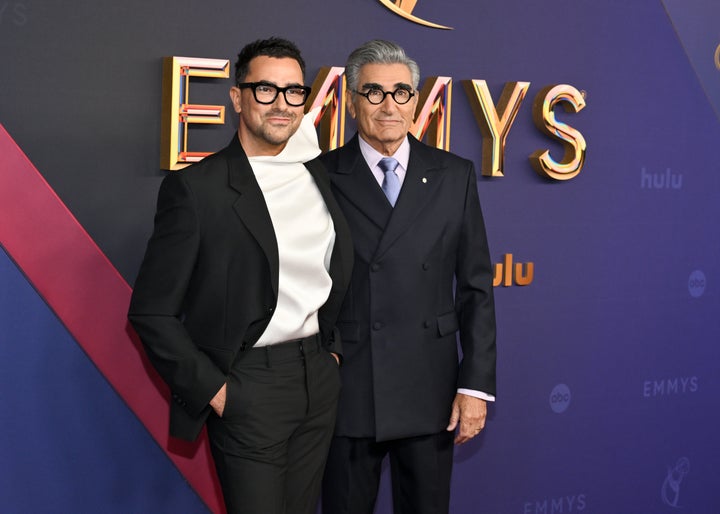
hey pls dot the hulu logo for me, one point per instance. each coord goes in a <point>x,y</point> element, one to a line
<point>667,180</point>
<point>506,272</point>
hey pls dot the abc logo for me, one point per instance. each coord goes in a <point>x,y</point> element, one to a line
<point>696,283</point>
<point>560,398</point>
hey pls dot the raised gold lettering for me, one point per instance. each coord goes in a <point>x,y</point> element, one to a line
<point>494,122</point>
<point>328,92</point>
<point>434,104</point>
<point>573,141</point>
<point>177,111</point>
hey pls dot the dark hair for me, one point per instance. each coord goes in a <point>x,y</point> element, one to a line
<point>271,47</point>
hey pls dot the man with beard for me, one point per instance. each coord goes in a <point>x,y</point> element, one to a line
<point>238,293</point>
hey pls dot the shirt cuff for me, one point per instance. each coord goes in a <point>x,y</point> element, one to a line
<point>477,394</point>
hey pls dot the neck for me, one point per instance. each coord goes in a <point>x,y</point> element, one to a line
<point>386,149</point>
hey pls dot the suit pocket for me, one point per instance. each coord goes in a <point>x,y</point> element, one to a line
<point>349,331</point>
<point>234,395</point>
<point>447,324</point>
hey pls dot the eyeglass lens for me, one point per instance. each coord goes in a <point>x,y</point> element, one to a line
<point>268,93</point>
<point>400,95</point>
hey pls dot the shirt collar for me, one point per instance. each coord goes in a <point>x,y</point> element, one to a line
<point>372,156</point>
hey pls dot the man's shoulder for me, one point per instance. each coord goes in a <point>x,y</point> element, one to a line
<point>425,153</point>
<point>210,164</point>
<point>215,159</point>
<point>339,161</point>
<point>438,155</point>
<point>334,156</point>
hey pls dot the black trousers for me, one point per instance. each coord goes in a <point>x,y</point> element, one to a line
<point>271,443</point>
<point>420,469</point>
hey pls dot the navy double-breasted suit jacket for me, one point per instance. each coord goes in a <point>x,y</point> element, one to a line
<point>208,284</point>
<point>422,275</point>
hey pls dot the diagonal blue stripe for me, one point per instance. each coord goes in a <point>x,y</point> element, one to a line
<point>68,443</point>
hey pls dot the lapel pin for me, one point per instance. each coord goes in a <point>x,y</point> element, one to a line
<point>424,180</point>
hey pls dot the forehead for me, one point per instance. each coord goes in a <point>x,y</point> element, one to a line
<point>281,71</point>
<point>387,75</point>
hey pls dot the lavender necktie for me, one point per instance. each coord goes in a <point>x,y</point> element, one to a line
<point>391,183</point>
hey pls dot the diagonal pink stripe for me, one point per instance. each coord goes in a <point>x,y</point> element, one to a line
<point>90,297</point>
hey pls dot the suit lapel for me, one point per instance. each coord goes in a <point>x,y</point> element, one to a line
<point>251,207</point>
<point>354,180</point>
<point>422,179</point>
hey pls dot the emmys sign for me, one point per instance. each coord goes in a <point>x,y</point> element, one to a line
<point>431,122</point>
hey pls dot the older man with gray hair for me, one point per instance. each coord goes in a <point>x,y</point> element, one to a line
<point>422,276</point>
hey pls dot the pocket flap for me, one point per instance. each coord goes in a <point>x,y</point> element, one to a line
<point>447,323</point>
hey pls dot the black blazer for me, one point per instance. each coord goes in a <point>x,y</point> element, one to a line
<point>208,284</point>
<point>402,312</point>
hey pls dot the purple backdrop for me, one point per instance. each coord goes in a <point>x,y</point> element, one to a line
<point>608,361</point>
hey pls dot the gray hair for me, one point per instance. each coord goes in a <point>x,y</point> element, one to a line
<point>378,51</point>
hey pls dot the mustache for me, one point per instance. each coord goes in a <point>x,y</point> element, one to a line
<point>280,112</point>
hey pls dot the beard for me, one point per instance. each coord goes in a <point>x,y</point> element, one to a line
<point>277,134</point>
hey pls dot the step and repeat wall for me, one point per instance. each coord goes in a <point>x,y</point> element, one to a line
<point>607,257</point>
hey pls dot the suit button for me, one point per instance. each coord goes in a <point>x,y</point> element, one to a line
<point>426,266</point>
<point>375,267</point>
<point>426,324</point>
<point>377,325</point>
<point>271,309</point>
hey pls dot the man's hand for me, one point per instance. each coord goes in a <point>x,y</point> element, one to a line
<point>470,413</point>
<point>218,401</point>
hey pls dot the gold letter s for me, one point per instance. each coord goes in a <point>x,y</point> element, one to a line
<point>573,141</point>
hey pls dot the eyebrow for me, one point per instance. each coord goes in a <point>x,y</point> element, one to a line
<point>268,83</point>
<point>398,85</point>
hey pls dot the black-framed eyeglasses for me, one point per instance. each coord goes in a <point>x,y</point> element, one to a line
<point>266,93</point>
<point>377,96</point>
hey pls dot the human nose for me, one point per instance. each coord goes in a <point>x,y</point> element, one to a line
<point>388,102</point>
<point>280,99</point>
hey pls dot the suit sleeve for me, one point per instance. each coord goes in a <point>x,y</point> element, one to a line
<point>340,264</point>
<point>474,297</point>
<point>157,301</point>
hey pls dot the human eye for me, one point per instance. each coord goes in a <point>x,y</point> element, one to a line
<point>265,89</point>
<point>375,93</point>
<point>296,91</point>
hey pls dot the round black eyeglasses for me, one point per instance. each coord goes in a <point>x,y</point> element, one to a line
<point>377,96</point>
<point>266,93</point>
